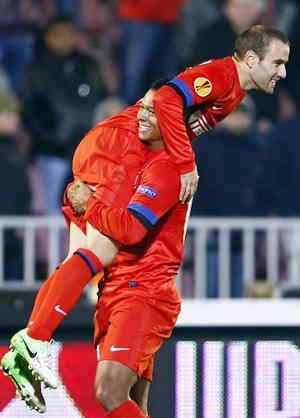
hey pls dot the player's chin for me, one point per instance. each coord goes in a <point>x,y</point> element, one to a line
<point>269,90</point>
<point>143,136</point>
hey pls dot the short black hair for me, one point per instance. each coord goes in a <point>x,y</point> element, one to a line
<point>157,84</point>
<point>258,39</point>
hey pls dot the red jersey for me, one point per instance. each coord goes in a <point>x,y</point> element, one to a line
<point>212,89</point>
<point>151,10</point>
<point>152,263</point>
<point>109,157</point>
<point>109,146</point>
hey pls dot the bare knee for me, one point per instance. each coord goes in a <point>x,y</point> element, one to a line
<point>103,247</point>
<point>113,383</point>
<point>109,393</point>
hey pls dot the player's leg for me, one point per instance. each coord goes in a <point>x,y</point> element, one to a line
<point>113,383</point>
<point>63,293</point>
<point>140,394</point>
<point>125,336</point>
<point>133,332</point>
<point>69,281</point>
<point>14,364</point>
<point>23,342</point>
<point>72,276</point>
<point>102,246</point>
<point>77,239</point>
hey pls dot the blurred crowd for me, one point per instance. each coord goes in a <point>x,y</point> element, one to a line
<point>65,65</point>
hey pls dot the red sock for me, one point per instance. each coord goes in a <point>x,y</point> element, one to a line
<point>65,290</point>
<point>128,409</point>
<point>40,297</point>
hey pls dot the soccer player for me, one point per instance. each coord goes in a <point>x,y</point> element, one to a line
<point>139,301</point>
<point>109,157</point>
<point>215,88</point>
<point>169,189</point>
<point>207,93</point>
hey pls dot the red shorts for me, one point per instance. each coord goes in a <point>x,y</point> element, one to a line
<point>130,329</point>
<point>108,158</point>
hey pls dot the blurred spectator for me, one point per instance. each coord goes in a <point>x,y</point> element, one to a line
<point>4,81</point>
<point>68,7</point>
<point>195,15</point>
<point>19,20</point>
<point>290,20</point>
<point>229,165</point>
<point>99,20</point>
<point>14,182</point>
<point>279,190</point>
<point>218,39</point>
<point>59,93</point>
<point>146,47</point>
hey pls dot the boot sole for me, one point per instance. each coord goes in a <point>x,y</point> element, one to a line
<point>20,391</point>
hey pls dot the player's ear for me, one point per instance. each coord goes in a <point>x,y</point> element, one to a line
<point>251,59</point>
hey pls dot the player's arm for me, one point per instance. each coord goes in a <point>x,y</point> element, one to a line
<point>155,196</point>
<point>195,86</point>
<point>169,108</point>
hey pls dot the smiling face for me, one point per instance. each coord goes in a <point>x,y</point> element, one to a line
<point>148,125</point>
<point>265,72</point>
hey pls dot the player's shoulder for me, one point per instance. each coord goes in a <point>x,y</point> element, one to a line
<point>161,162</point>
<point>160,176</point>
<point>162,172</point>
<point>209,79</point>
<point>215,69</point>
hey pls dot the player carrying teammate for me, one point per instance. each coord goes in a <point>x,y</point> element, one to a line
<point>139,301</point>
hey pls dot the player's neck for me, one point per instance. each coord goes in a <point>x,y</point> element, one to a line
<point>156,146</point>
<point>243,74</point>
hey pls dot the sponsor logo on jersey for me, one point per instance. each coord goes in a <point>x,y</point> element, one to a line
<point>202,86</point>
<point>147,191</point>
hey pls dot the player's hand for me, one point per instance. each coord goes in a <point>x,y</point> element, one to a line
<point>78,195</point>
<point>189,184</point>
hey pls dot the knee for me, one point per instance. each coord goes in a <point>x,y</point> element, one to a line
<point>103,247</point>
<point>105,254</point>
<point>106,398</point>
<point>109,394</point>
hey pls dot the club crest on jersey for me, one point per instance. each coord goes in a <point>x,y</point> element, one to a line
<point>147,191</point>
<point>202,86</point>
